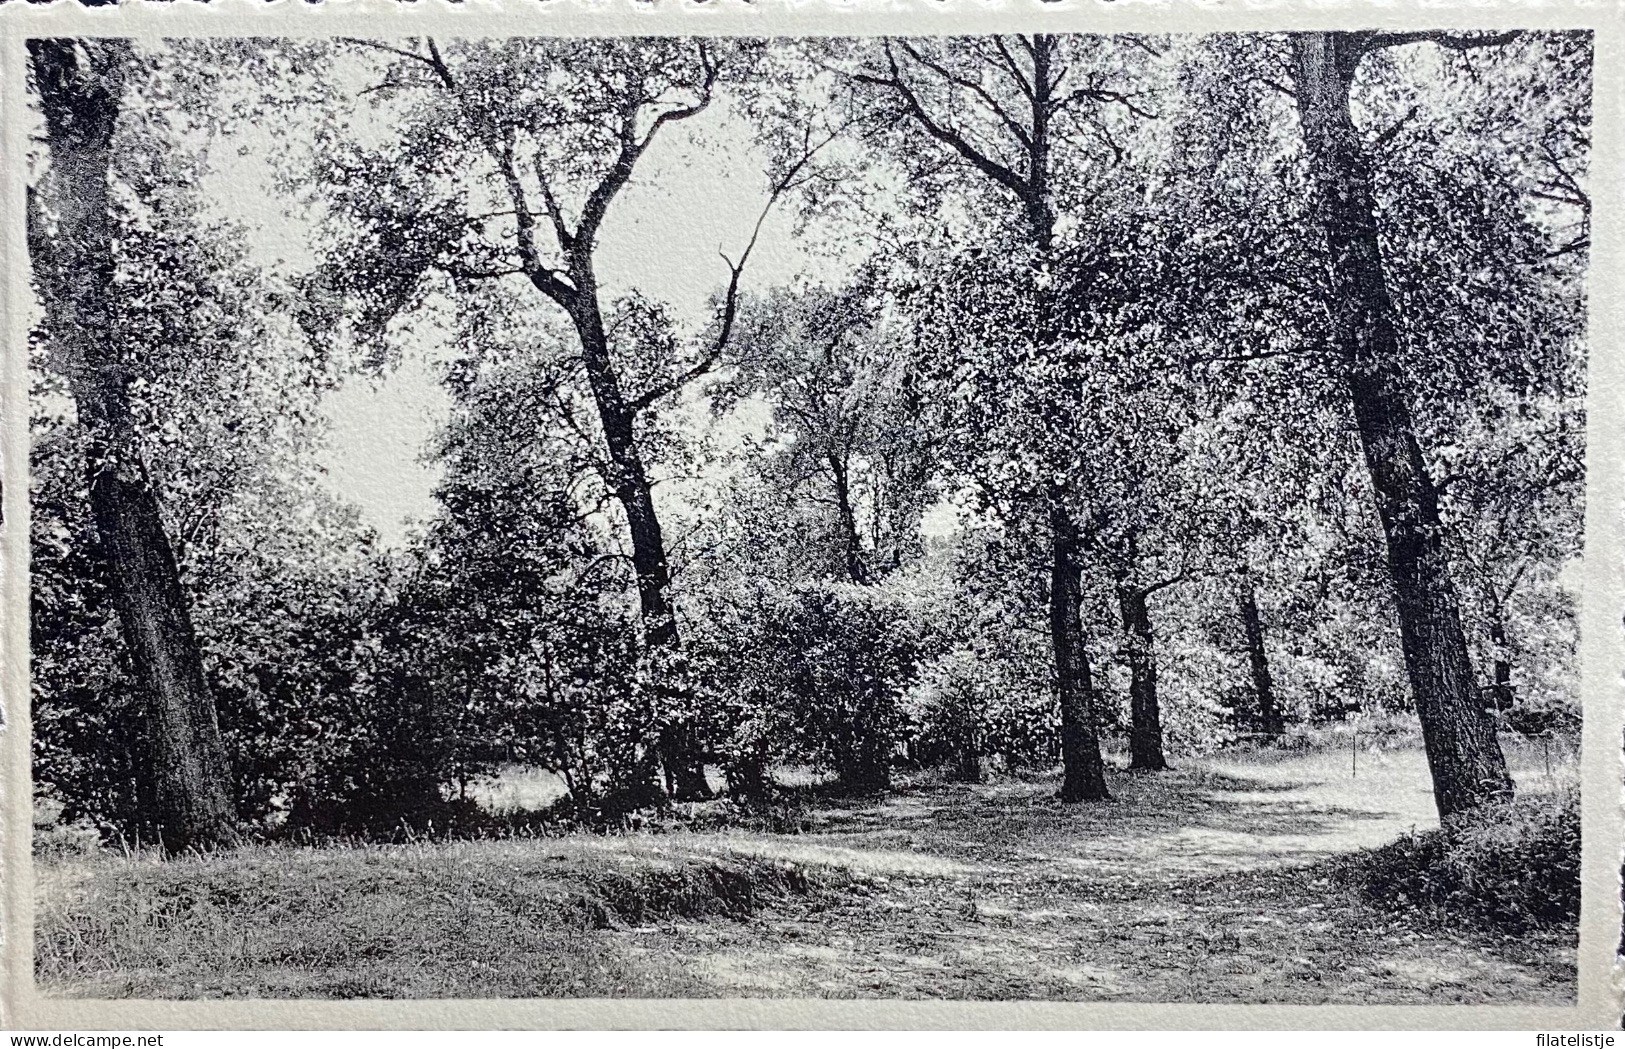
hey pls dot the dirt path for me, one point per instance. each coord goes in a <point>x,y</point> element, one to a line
<point>1195,885</point>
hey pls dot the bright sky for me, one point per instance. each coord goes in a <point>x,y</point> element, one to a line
<point>663,235</point>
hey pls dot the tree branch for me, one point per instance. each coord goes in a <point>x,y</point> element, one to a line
<point>554,212</point>
<point>1444,38</point>
<point>432,59</point>
<point>1022,134</point>
<point>942,132</point>
<point>470,273</point>
<point>1096,93</point>
<point>736,270</point>
<point>546,280</point>
<point>1393,129</point>
<point>1009,63</point>
<point>1163,584</point>
<point>632,147</point>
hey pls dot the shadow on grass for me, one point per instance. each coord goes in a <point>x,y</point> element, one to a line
<point>1172,821</point>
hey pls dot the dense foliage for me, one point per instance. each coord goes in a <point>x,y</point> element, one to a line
<point>857,478</point>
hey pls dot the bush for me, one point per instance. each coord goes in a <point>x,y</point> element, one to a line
<point>813,672</point>
<point>979,701</point>
<point>1513,866</point>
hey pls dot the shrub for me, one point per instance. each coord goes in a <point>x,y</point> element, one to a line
<point>814,672</point>
<point>979,701</point>
<point>1514,866</point>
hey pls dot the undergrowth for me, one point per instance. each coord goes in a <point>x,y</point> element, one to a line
<point>1513,866</point>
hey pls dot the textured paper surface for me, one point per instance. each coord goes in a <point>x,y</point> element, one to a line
<point>1600,607</point>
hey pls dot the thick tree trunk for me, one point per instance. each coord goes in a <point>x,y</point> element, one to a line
<point>677,746</point>
<point>1463,754</point>
<point>1145,732</point>
<point>79,84</point>
<point>1269,714</point>
<point>1084,776</point>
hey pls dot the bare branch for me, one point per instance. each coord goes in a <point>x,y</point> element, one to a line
<point>1008,61</point>
<point>1578,244</point>
<point>554,212</point>
<point>712,71</point>
<point>472,273</point>
<point>545,279</point>
<point>1393,129</point>
<point>439,63</point>
<point>432,59</point>
<point>524,224</point>
<point>1022,134</point>
<point>1565,181</point>
<point>1097,93</point>
<point>736,271</point>
<point>632,147</point>
<point>1163,584</point>
<point>1273,84</point>
<point>941,131</point>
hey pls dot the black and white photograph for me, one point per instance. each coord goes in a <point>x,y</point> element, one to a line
<point>1023,517</point>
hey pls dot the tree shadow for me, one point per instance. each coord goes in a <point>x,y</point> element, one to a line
<point>1178,822</point>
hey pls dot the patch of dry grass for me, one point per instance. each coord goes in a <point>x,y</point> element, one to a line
<point>470,919</point>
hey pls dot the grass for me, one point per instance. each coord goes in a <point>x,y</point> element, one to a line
<point>470,919</point>
<point>1210,883</point>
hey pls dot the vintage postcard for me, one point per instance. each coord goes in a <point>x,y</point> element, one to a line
<point>1069,515</point>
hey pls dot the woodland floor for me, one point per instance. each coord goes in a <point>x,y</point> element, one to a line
<point>1202,884</point>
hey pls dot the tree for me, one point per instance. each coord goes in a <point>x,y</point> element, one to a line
<point>1269,712</point>
<point>847,429</point>
<point>1002,107</point>
<point>549,129</point>
<point>1466,762</point>
<point>80,87</point>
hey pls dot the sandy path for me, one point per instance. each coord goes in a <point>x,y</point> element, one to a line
<point>1193,885</point>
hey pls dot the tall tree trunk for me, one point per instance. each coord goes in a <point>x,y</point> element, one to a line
<point>1028,183</point>
<point>79,85</point>
<point>1084,773</point>
<point>1145,732</point>
<point>1269,714</point>
<point>1463,754</point>
<point>1083,770</point>
<point>677,746</point>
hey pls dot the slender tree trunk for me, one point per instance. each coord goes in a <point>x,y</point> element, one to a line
<point>1145,732</point>
<point>677,746</point>
<point>856,570</point>
<point>1028,182</point>
<point>79,84</point>
<point>1269,714</point>
<point>1501,668</point>
<point>1463,754</point>
<point>1084,776</point>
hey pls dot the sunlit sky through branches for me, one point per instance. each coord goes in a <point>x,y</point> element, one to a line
<point>697,194</point>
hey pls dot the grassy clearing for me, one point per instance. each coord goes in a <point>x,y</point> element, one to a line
<point>472,919</point>
<point>1210,883</point>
